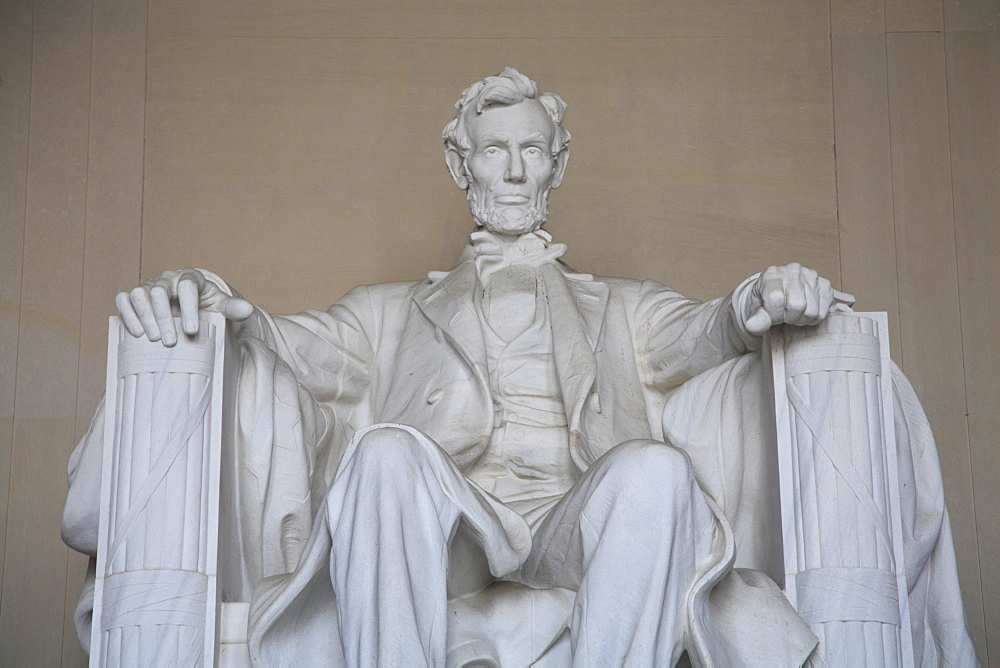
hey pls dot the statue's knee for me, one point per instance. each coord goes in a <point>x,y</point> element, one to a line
<point>387,451</point>
<point>649,466</point>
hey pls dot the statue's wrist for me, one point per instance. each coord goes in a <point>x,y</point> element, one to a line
<point>743,303</point>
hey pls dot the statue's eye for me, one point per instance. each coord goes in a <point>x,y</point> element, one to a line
<point>533,152</point>
<point>492,151</point>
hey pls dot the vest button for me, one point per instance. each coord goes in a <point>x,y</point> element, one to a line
<point>434,396</point>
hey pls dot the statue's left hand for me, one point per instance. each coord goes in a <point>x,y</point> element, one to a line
<point>791,294</point>
<point>149,309</point>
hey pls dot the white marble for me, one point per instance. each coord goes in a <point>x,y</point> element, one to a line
<point>422,463</point>
<point>156,590</point>
<point>844,560</point>
<point>233,650</point>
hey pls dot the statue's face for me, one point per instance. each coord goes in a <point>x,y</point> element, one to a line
<point>511,167</point>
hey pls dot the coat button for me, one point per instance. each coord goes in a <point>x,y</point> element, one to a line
<point>434,396</point>
<point>439,334</point>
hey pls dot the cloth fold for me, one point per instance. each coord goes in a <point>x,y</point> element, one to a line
<point>492,252</point>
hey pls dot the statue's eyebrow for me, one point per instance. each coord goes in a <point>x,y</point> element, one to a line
<point>493,136</point>
<point>536,136</point>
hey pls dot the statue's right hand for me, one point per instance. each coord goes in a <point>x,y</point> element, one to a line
<point>149,309</point>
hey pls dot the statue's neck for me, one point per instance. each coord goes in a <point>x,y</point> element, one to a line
<point>483,240</point>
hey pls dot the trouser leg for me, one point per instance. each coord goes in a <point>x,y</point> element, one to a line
<point>393,509</point>
<point>631,537</point>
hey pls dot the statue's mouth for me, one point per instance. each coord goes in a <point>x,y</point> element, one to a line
<point>511,200</point>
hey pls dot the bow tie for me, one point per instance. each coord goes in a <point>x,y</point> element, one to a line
<point>492,252</point>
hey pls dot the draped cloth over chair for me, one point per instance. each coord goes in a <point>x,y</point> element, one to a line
<point>280,459</point>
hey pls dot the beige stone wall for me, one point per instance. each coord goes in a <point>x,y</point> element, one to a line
<point>293,147</point>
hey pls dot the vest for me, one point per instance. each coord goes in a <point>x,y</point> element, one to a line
<point>527,463</point>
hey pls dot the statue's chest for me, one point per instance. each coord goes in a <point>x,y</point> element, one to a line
<point>510,301</point>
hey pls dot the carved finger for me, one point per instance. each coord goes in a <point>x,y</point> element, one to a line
<point>795,302</point>
<point>160,301</point>
<point>140,302</point>
<point>811,314</point>
<point>193,275</point>
<point>759,322</point>
<point>773,297</point>
<point>128,316</point>
<point>236,309</point>
<point>825,298</point>
<point>844,297</point>
<point>188,297</point>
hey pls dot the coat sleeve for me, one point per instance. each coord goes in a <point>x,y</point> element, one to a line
<point>677,338</point>
<point>330,352</point>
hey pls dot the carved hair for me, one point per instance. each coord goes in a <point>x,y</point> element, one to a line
<point>507,88</point>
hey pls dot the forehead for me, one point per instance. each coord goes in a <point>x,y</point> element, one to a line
<point>523,121</point>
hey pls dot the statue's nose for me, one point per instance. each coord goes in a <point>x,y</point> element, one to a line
<point>515,168</point>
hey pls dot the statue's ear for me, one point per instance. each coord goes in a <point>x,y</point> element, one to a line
<point>562,158</point>
<point>456,165</point>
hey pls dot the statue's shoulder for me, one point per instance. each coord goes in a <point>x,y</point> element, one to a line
<point>381,295</point>
<point>628,289</point>
<point>620,284</point>
<point>389,290</point>
<point>636,296</point>
<point>633,285</point>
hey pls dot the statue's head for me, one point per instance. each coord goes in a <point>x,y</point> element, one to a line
<point>507,148</point>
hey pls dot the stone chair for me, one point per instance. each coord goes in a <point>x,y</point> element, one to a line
<point>163,575</point>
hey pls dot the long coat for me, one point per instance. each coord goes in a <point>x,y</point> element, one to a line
<point>414,354</point>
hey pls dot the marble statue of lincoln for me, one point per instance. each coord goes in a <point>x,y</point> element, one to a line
<point>493,423</point>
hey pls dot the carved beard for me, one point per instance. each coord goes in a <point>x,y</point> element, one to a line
<point>509,220</point>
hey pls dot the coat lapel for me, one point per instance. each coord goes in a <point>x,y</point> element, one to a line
<point>591,299</point>
<point>576,311</point>
<point>448,304</point>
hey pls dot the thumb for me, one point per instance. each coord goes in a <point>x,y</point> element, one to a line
<point>844,298</point>
<point>759,322</point>
<point>235,308</point>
